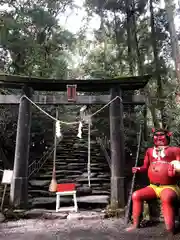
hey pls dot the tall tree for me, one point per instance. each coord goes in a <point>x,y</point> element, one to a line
<point>33,38</point>
<point>157,65</point>
<point>174,38</point>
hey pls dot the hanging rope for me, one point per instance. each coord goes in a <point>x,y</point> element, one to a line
<point>53,118</point>
<point>53,184</point>
<point>70,123</point>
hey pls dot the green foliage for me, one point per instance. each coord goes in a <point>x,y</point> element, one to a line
<point>124,45</point>
<point>35,42</point>
<point>129,42</point>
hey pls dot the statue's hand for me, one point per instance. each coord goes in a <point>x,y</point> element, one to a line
<point>136,169</point>
<point>171,170</point>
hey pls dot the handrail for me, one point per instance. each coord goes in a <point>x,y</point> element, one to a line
<point>36,165</point>
<point>105,141</point>
<point>99,140</point>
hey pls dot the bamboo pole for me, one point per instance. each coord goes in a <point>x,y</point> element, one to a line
<point>53,184</point>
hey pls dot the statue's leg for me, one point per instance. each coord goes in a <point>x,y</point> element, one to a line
<point>168,197</point>
<point>138,198</point>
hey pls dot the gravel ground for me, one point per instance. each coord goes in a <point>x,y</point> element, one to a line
<point>57,229</point>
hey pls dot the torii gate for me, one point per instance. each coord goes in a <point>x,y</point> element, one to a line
<point>115,87</point>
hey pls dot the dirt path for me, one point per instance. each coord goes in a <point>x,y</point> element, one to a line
<point>108,229</point>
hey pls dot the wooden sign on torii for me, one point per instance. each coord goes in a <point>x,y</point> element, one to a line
<point>114,87</point>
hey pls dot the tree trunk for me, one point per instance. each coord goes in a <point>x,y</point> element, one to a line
<point>174,38</point>
<point>117,38</point>
<point>160,103</point>
<point>139,62</point>
<point>104,40</point>
<point>129,39</point>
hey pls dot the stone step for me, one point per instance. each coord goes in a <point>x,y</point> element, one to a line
<point>64,173</point>
<point>85,153</point>
<point>64,151</point>
<point>73,160</point>
<point>42,176</point>
<point>58,177</point>
<point>81,163</point>
<point>76,164</point>
<point>76,161</point>
<point>67,152</point>
<point>83,180</point>
<point>76,156</point>
<point>96,169</point>
<point>81,191</point>
<point>98,186</point>
<point>100,192</point>
<point>78,152</point>
<point>40,183</point>
<point>94,199</point>
<point>101,176</point>
<point>48,168</point>
<point>41,202</point>
<point>71,166</point>
<point>65,148</point>
<point>60,174</point>
<point>44,185</point>
<point>72,178</point>
<point>42,193</point>
<point>67,159</point>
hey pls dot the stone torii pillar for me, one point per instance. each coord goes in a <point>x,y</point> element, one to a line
<point>19,186</point>
<point>117,150</point>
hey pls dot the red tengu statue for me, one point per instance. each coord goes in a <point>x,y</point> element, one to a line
<point>163,177</point>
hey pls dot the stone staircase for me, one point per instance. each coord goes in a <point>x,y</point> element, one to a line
<point>71,166</point>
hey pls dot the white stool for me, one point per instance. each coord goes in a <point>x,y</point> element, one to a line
<point>58,198</point>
